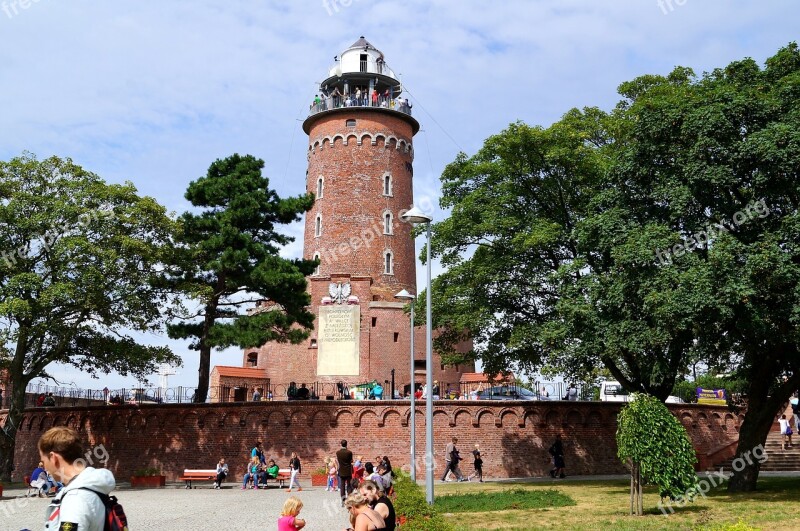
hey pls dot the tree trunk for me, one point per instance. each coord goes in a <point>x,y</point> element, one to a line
<point>8,435</point>
<point>761,409</point>
<point>204,368</point>
<point>636,490</point>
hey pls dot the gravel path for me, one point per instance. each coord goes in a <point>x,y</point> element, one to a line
<point>175,508</point>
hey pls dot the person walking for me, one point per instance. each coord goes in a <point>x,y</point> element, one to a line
<point>344,463</point>
<point>557,451</point>
<point>75,506</point>
<point>451,460</point>
<point>786,432</point>
<point>294,466</point>
<point>477,463</point>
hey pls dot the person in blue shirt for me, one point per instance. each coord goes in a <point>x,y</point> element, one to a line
<point>39,479</point>
<point>377,392</point>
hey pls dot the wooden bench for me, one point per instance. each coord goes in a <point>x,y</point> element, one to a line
<point>190,475</point>
<point>284,475</point>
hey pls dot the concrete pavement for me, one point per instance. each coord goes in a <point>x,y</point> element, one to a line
<point>176,508</point>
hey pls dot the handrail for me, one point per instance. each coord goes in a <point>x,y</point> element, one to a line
<point>341,102</point>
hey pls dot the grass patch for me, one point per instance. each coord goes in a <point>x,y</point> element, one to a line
<point>505,500</point>
<point>604,504</point>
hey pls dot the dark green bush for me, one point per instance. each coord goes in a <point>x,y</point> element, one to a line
<point>410,502</point>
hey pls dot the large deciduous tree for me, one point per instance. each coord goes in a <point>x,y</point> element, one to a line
<point>647,239</point>
<point>228,259</point>
<point>714,166</point>
<point>80,265</point>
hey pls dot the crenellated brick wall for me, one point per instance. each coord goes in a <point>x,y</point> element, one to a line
<point>514,437</point>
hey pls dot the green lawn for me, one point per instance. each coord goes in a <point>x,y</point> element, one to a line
<point>600,505</point>
<point>505,500</point>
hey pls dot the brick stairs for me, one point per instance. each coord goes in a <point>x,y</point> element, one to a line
<point>777,460</point>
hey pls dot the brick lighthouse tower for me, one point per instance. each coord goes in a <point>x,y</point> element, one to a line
<point>360,157</point>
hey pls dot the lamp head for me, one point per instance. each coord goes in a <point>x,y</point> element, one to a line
<point>405,295</point>
<point>416,216</point>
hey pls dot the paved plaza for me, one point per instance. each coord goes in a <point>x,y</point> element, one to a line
<point>175,508</point>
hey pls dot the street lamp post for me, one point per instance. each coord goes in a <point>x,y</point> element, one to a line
<point>405,295</point>
<point>417,216</point>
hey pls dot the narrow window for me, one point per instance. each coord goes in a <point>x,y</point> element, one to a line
<point>320,183</point>
<point>374,321</point>
<point>316,270</point>
<point>387,265</point>
<point>318,226</point>
<point>387,223</point>
<point>387,185</point>
<point>396,336</point>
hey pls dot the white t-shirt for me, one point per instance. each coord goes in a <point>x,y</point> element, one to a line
<point>784,425</point>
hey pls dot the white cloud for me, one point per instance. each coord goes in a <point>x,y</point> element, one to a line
<point>153,92</point>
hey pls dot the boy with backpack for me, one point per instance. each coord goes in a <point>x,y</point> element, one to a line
<point>83,503</point>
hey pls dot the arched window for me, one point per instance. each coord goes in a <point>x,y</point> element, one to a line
<point>387,223</point>
<point>318,226</point>
<point>387,184</point>
<point>388,265</point>
<point>320,187</point>
<point>316,270</point>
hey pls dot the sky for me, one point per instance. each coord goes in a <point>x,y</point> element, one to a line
<point>152,92</point>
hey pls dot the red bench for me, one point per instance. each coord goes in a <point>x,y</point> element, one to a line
<point>197,475</point>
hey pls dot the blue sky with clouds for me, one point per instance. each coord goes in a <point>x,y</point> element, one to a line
<point>153,91</point>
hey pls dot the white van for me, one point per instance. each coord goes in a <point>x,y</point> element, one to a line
<point>612,391</point>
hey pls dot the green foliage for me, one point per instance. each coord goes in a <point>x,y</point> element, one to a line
<point>648,434</point>
<point>81,267</point>
<point>147,472</point>
<point>410,502</point>
<point>228,260</point>
<point>740,525</point>
<point>506,500</point>
<point>649,239</point>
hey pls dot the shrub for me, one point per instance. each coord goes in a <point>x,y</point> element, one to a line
<point>649,436</point>
<point>410,502</point>
<point>147,472</point>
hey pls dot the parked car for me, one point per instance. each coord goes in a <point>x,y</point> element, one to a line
<point>140,396</point>
<point>506,392</point>
<point>612,391</point>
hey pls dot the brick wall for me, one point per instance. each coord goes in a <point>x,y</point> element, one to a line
<point>352,161</point>
<point>514,437</point>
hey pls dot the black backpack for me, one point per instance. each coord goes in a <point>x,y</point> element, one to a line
<point>115,519</point>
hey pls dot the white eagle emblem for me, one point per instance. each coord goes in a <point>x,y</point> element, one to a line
<point>339,292</point>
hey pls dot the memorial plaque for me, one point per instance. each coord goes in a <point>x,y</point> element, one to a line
<point>338,340</point>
